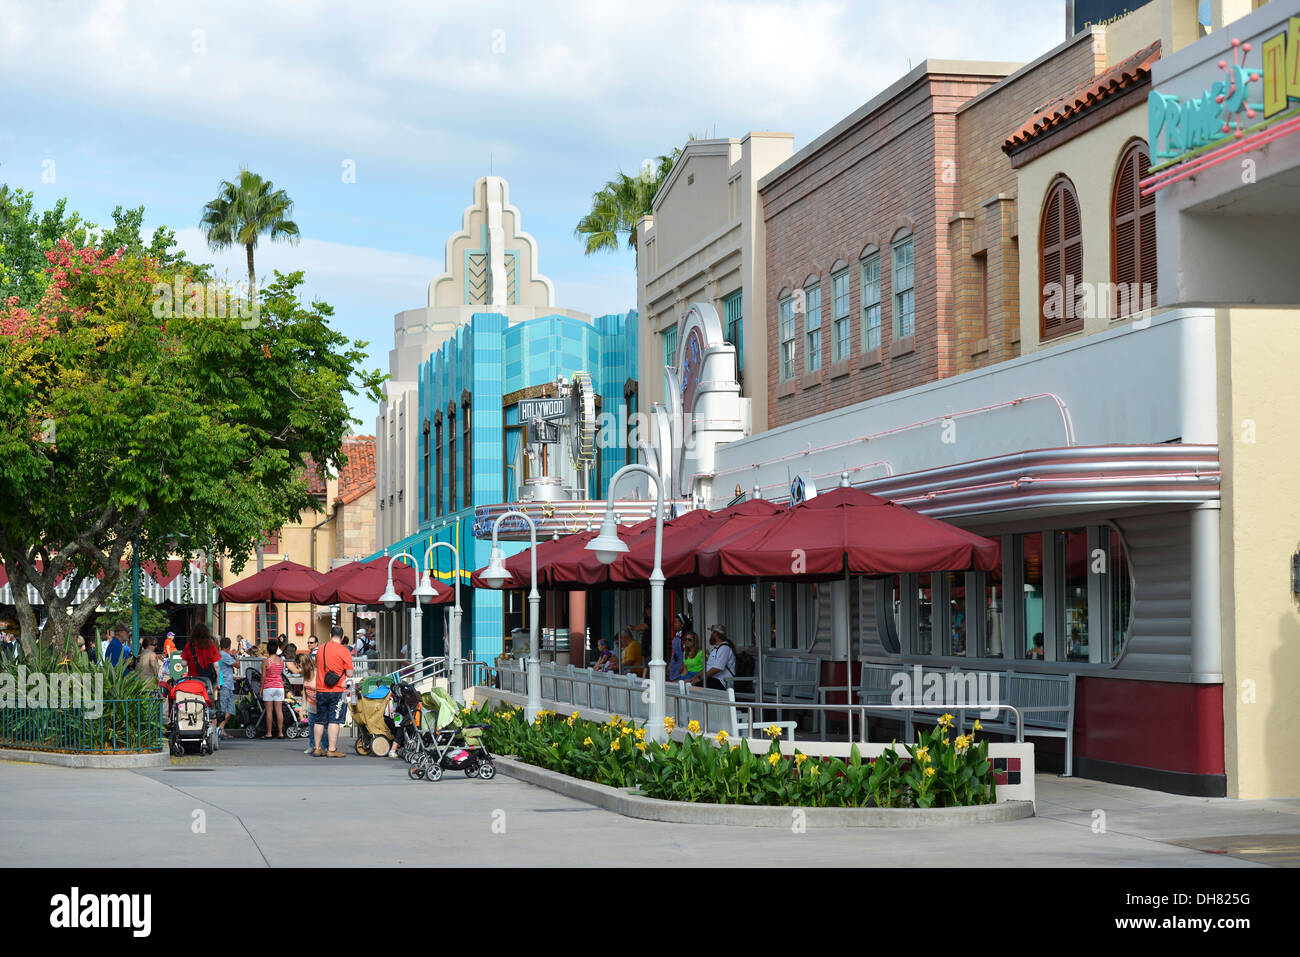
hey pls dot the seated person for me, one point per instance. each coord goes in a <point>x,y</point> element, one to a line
<point>692,656</point>
<point>605,660</point>
<point>1036,652</point>
<point>631,662</point>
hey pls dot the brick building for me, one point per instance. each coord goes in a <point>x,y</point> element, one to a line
<point>891,239</point>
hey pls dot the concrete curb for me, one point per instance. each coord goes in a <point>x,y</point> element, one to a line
<point>630,803</point>
<point>155,759</point>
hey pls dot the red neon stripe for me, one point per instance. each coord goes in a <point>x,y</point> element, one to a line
<point>1165,178</point>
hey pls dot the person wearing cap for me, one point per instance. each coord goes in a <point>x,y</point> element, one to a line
<point>721,666</point>
<point>361,645</point>
<point>119,648</point>
<point>169,645</point>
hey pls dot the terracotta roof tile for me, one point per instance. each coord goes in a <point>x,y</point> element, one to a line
<point>1122,76</point>
<point>316,483</point>
<point>358,476</point>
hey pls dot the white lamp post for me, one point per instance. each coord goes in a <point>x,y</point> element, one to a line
<point>608,546</point>
<point>391,599</point>
<point>424,592</point>
<point>496,575</point>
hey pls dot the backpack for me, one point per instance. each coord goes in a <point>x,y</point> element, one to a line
<point>744,664</point>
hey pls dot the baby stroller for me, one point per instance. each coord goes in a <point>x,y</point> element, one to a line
<point>405,720</point>
<point>250,710</point>
<point>373,733</point>
<point>451,744</point>
<point>189,715</point>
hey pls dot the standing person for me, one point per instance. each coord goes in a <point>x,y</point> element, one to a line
<point>675,654</point>
<point>333,669</point>
<point>201,655</point>
<point>273,690</point>
<point>307,662</point>
<point>361,645</point>
<point>168,645</point>
<point>119,649</point>
<point>721,667</point>
<point>148,663</point>
<point>226,695</point>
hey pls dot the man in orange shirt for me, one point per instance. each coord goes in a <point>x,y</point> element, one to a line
<point>333,660</point>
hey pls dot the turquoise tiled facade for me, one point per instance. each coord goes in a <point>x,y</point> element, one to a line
<point>490,359</point>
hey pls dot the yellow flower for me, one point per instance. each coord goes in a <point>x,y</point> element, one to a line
<point>574,716</point>
<point>774,759</point>
<point>929,772</point>
<point>772,731</point>
<point>722,737</point>
<point>616,744</point>
<point>735,747</point>
<point>978,726</point>
<point>962,744</point>
<point>664,746</point>
<point>945,721</point>
<point>640,746</point>
<point>625,730</point>
<point>587,741</point>
<point>569,722</point>
<point>669,724</point>
<point>800,758</point>
<point>693,727</point>
<point>640,734</point>
<point>554,745</point>
<point>923,755</point>
<point>816,770</point>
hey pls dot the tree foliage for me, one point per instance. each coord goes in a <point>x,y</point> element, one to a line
<point>620,203</point>
<point>245,210</point>
<point>124,418</point>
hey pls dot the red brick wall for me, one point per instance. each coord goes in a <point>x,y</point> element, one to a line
<point>916,163</point>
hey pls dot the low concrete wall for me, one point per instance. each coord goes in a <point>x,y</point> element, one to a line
<point>156,759</point>
<point>629,803</point>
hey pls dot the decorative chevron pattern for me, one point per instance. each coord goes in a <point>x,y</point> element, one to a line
<point>476,279</point>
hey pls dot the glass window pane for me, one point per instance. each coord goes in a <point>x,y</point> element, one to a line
<point>956,612</point>
<point>1032,573</point>
<point>925,616</point>
<point>871,302</point>
<point>1121,595</point>
<point>1072,580</point>
<point>993,604</point>
<point>813,301</point>
<point>786,311</point>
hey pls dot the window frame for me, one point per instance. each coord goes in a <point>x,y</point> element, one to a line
<point>1068,323</point>
<point>1143,218</point>
<point>871,258</point>
<point>437,485</point>
<point>812,289</point>
<point>467,438</point>
<point>787,322</point>
<point>904,315</point>
<point>841,322</point>
<point>451,457</point>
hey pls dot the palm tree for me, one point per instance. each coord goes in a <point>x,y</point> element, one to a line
<point>240,214</point>
<point>620,204</point>
<point>244,211</point>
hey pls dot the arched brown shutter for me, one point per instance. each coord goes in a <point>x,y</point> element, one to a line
<point>1133,235</point>
<point>1060,261</point>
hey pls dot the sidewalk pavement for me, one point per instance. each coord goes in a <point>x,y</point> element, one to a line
<point>260,803</point>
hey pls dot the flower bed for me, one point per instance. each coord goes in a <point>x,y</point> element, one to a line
<point>937,771</point>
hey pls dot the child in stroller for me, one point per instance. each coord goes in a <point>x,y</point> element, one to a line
<point>450,744</point>
<point>189,715</point>
<point>251,711</point>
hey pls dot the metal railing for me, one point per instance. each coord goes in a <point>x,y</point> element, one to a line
<point>619,695</point>
<point>113,726</point>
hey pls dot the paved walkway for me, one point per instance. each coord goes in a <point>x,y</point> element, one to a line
<point>259,803</point>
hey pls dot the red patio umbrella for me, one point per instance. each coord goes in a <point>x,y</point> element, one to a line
<point>580,568</point>
<point>283,581</point>
<point>689,542</point>
<point>848,531</point>
<point>362,583</point>
<point>519,565</point>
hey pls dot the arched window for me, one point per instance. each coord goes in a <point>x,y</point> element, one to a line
<point>427,512</point>
<point>437,458</point>
<point>1132,235</point>
<point>841,325</point>
<point>467,427</point>
<point>1060,261</point>
<point>812,292</point>
<point>904,282</point>
<point>789,333</point>
<point>870,298</point>
<point>451,456</point>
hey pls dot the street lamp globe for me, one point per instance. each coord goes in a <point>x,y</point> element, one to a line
<point>390,598</point>
<point>495,574</point>
<point>424,592</point>
<point>607,545</point>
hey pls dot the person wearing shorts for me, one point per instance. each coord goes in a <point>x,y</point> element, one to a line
<point>226,694</point>
<point>273,690</point>
<point>331,700</point>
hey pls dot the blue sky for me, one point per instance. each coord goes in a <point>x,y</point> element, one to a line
<point>156,103</point>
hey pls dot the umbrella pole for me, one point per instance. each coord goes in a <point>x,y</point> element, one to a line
<point>763,625</point>
<point>848,651</point>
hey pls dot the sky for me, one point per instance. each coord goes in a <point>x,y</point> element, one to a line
<point>140,103</point>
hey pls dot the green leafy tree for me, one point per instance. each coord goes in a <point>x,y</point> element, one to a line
<point>153,620</point>
<point>121,421</point>
<point>619,205</point>
<point>244,211</point>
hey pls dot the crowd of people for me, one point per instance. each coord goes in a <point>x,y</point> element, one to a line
<point>687,660</point>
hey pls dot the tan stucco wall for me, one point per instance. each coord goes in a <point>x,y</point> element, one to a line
<point>1089,160</point>
<point>1258,354</point>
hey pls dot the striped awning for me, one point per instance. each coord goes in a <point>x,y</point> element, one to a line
<point>179,586</point>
